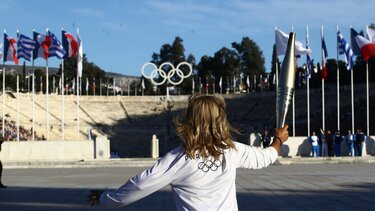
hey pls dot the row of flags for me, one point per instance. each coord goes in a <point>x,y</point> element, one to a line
<point>43,46</point>
<point>359,45</point>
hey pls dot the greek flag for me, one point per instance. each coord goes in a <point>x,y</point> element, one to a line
<point>25,46</point>
<point>56,48</point>
<point>344,48</point>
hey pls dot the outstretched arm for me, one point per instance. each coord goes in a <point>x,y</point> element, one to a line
<point>256,157</point>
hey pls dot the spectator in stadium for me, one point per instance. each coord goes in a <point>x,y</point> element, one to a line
<point>323,138</point>
<point>360,137</point>
<point>205,163</point>
<point>330,143</point>
<point>350,138</point>
<point>338,139</point>
<point>266,138</point>
<point>313,139</point>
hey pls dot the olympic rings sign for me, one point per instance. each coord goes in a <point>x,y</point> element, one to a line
<point>207,165</point>
<point>167,76</point>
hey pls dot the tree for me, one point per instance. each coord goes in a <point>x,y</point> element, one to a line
<point>175,54</point>
<point>252,59</point>
<point>90,70</point>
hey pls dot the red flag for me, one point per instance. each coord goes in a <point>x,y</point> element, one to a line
<point>366,47</point>
<point>10,52</point>
<point>324,56</point>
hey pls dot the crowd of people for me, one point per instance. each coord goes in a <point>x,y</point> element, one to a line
<point>10,131</point>
<point>329,144</point>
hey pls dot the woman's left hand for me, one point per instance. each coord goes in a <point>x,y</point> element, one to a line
<point>94,197</point>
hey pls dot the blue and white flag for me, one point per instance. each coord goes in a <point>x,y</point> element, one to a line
<point>56,48</point>
<point>344,48</point>
<point>25,47</point>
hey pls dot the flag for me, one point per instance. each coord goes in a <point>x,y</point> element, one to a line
<point>193,84</point>
<point>248,82</point>
<point>73,84</point>
<point>114,84</point>
<point>308,57</point>
<point>60,85</point>
<point>53,83</point>
<point>93,84</point>
<point>366,47</point>
<point>324,57</point>
<point>42,43</point>
<point>56,48</point>
<point>143,83</point>
<point>371,33</point>
<point>41,83</point>
<point>344,48</point>
<point>79,55</point>
<point>87,85</point>
<point>282,42</point>
<point>70,44</point>
<point>25,46</point>
<point>10,52</point>
<point>221,82</point>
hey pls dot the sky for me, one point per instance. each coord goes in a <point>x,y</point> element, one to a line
<point>121,35</point>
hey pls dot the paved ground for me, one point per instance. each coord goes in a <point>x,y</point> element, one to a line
<point>279,187</point>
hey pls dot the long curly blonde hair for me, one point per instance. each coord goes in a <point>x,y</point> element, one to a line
<point>204,126</point>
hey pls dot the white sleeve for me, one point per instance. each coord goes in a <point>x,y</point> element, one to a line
<point>140,186</point>
<point>254,157</point>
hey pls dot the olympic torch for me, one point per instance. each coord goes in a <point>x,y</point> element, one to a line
<point>285,89</point>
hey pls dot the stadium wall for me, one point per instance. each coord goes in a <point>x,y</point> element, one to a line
<point>55,150</point>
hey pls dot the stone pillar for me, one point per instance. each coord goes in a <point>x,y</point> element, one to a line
<point>102,148</point>
<point>154,147</point>
<point>255,140</point>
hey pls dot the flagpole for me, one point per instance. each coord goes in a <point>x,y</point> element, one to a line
<point>367,103</point>
<point>33,106</point>
<point>18,108</point>
<point>367,97</point>
<point>18,100</point>
<point>308,82</point>
<point>4,92</point>
<point>33,90</point>
<point>62,101</point>
<point>323,111</point>
<point>351,84</point>
<point>47,103</point>
<point>338,84</point>
<point>77,86</point>
<point>308,107</point>
<point>352,92</point>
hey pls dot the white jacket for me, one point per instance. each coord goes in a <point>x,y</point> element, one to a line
<point>197,184</point>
